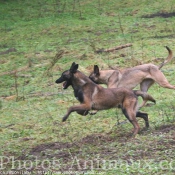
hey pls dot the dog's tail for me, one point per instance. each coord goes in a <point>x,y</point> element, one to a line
<point>145,96</point>
<point>168,59</point>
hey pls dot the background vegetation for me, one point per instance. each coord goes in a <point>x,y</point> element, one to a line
<point>39,39</point>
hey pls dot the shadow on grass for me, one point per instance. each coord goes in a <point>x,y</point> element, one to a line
<point>159,14</point>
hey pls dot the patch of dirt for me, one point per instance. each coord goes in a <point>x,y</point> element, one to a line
<point>54,146</point>
<point>160,14</point>
<point>8,51</point>
<point>69,154</point>
<point>75,147</point>
<point>103,147</point>
<point>96,139</point>
<point>165,128</point>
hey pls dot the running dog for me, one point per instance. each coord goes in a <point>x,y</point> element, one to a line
<point>145,75</point>
<point>94,97</point>
<point>68,83</point>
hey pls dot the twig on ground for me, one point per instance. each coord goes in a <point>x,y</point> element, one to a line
<point>114,48</point>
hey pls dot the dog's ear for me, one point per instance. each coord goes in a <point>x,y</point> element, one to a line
<point>73,64</point>
<point>96,70</point>
<point>74,67</point>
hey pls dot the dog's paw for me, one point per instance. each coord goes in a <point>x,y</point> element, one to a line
<point>93,112</point>
<point>64,119</point>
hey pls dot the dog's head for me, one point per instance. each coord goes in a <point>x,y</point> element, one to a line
<point>94,76</point>
<point>67,75</point>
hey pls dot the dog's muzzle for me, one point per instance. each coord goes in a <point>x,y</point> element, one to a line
<point>66,84</point>
<point>60,80</point>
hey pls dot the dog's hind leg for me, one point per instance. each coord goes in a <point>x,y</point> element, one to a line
<point>160,78</point>
<point>77,108</point>
<point>144,116</point>
<point>166,84</point>
<point>131,116</point>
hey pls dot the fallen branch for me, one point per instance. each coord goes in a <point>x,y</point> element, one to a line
<point>118,47</point>
<point>114,48</point>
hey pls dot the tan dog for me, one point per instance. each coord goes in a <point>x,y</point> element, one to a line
<point>94,97</point>
<point>145,75</point>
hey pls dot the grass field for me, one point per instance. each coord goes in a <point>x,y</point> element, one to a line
<point>32,36</point>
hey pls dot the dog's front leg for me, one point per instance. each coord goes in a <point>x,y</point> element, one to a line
<point>81,107</point>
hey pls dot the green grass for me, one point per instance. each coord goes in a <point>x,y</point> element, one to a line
<point>32,105</point>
